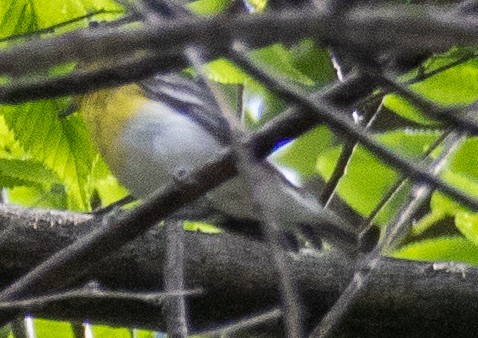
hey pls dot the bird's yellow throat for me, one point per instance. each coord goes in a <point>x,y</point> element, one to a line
<point>106,113</point>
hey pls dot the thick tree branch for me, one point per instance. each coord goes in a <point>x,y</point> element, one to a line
<point>161,44</point>
<point>238,279</point>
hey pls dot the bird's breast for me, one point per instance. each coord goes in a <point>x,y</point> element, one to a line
<point>159,145</point>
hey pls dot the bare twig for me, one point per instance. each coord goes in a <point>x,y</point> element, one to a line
<point>395,232</point>
<point>39,302</point>
<point>258,181</point>
<point>401,181</point>
<point>19,329</point>
<point>334,118</point>
<point>176,314</point>
<point>453,116</point>
<point>244,324</point>
<point>223,33</point>
<point>343,161</point>
<point>423,76</point>
<point>440,30</point>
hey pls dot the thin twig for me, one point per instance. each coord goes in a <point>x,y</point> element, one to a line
<point>38,302</point>
<point>343,161</point>
<point>257,182</point>
<point>439,30</point>
<point>337,174</point>
<point>453,116</point>
<point>244,324</point>
<point>427,75</point>
<point>173,276</point>
<point>176,314</point>
<point>114,206</point>
<point>78,329</point>
<point>123,71</point>
<point>334,117</point>
<point>237,271</point>
<point>19,329</point>
<point>401,180</point>
<point>395,232</point>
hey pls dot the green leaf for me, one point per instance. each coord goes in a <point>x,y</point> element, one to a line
<point>30,182</point>
<point>301,154</point>
<point>15,18</point>
<point>9,147</point>
<point>456,86</point>
<point>103,331</point>
<point>465,158</point>
<point>201,227</point>
<point>110,190</point>
<point>407,110</point>
<point>442,203</point>
<point>367,179</point>
<point>461,173</point>
<point>281,61</point>
<point>208,7</point>
<point>426,222</point>
<point>314,62</point>
<point>114,8</point>
<point>6,332</point>
<point>439,62</point>
<point>63,146</point>
<point>84,158</point>
<point>26,172</point>
<point>224,71</point>
<point>276,56</point>
<point>365,182</point>
<point>21,16</point>
<point>144,334</point>
<point>440,249</point>
<point>467,223</point>
<point>409,142</point>
<point>52,329</point>
<point>48,13</point>
<point>54,198</point>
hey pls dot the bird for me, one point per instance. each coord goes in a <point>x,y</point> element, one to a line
<point>169,124</point>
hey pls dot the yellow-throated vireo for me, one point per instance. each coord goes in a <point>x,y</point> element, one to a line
<point>150,131</point>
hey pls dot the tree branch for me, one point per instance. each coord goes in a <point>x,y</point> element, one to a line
<point>431,28</point>
<point>239,278</point>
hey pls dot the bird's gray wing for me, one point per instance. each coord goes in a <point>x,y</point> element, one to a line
<point>189,98</point>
